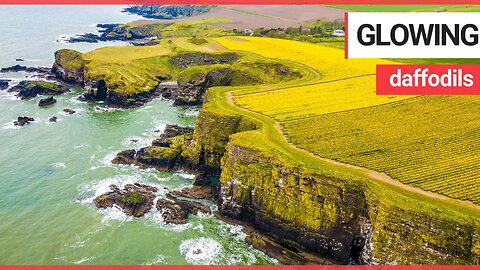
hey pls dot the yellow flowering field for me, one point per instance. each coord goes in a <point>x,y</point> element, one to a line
<point>431,142</point>
<point>312,100</point>
<point>329,62</point>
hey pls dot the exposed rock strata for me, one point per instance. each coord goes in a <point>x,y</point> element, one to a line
<point>341,220</point>
<point>135,200</point>
<point>30,89</point>
<point>176,211</point>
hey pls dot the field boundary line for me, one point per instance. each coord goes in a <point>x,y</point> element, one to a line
<point>302,85</point>
<point>371,174</point>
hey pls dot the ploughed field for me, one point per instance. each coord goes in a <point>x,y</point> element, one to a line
<point>429,142</point>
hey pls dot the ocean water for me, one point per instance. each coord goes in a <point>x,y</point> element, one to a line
<point>50,172</point>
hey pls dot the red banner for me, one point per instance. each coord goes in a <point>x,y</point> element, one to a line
<point>244,267</point>
<point>428,79</point>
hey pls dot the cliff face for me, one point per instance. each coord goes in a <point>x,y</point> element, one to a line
<point>324,215</point>
<point>335,218</point>
<point>343,220</point>
<point>69,66</point>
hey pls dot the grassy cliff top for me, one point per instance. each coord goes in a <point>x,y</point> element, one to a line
<point>270,140</point>
<point>130,70</point>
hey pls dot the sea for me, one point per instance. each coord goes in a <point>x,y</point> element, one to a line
<point>50,172</point>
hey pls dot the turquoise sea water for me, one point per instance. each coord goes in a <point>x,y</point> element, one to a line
<point>50,172</point>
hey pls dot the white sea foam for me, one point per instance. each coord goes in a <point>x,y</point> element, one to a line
<point>144,108</point>
<point>107,160</point>
<point>137,141</point>
<point>192,112</point>
<point>200,250</point>
<point>156,217</point>
<point>83,260</point>
<point>199,227</point>
<point>59,165</point>
<point>114,213</point>
<point>10,125</point>
<point>160,259</point>
<point>185,175</point>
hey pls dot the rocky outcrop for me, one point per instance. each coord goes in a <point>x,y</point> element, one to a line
<point>4,84</point>
<point>170,132</point>
<point>192,89</point>
<point>53,119</point>
<point>269,196</point>
<point>176,211</point>
<point>340,219</point>
<point>69,66</point>
<point>199,152</point>
<point>135,200</point>
<point>189,59</point>
<point>69,111</point>
<point>18,68</point>
<point>47,101</point>
<point>21,121</point>
<point>30,89</point>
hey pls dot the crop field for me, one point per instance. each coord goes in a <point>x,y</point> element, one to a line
<point>431,142</point>
<point>329,62</point>
<point>317,99</point>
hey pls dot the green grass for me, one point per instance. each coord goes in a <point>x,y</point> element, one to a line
<point>268,141</point>
<point>430,142</point>
<point>132,198</point>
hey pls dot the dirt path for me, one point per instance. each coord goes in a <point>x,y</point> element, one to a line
<point>377,176</point>
<point>307,84</point>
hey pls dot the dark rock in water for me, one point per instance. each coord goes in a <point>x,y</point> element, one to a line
<point>133,141</point>
<point>135,200</point>
<point>29,89</point>
<point>47,101</point>
<point>69,111</point>
<point>138,43</point>
<point>176,211</point>
<point>170,132</point>
<point>195,192</point>
<point>17,68</point>
<point>126,157</point>
<point>20,60</point>
<point>3,84</point>
<point>172,212</point>
<point>101,108</point>
<point>21,121</point>
<point>53,119</point>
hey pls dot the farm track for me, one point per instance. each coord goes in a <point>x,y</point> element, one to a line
<point>302,85</point>
<point>374,175</point>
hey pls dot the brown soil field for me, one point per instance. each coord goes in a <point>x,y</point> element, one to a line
<point>266,16</point>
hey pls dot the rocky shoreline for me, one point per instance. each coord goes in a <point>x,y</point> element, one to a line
<point>204,189</point>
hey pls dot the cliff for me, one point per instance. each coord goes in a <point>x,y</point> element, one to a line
<point>336,218</point>
<point>129,77</point>
<point>344,218</point>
